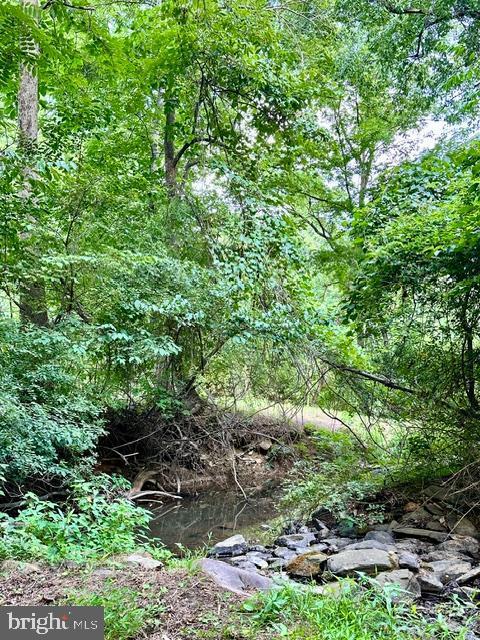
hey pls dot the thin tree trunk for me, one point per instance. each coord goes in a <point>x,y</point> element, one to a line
<point>169,149</point>
<point>33,307</point>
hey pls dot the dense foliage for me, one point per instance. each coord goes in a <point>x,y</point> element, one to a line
<point>217,199</point>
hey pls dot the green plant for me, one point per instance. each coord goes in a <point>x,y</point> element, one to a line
<point>124,615</point>
<point>339,478</point>
<point>97,522</point>
<point>188,559</point>
<point>49,421</point>
<point>353,612</point>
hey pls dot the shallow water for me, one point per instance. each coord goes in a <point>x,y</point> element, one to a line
<point>212,516</point>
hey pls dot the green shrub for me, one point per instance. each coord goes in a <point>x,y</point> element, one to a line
<point>338,478</point>
<point>124,616</point>
<point>96,523</point>
<point>49,422</point>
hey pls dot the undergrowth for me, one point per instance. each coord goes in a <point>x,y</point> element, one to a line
<point>124,615</point>
<point>339,476</point>
<point>353,613</point>
<point>97,522</point>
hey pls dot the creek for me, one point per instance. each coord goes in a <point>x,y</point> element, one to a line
<point>213,515</point>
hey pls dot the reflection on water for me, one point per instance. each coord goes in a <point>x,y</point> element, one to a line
<point>211,516</point>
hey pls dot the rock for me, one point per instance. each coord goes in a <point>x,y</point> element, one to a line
<point>258,548</point>
<point>468,593</point>
<point>264,445</point>
<point>470,576</point>
<point>241,582</point>
<point>307,565</point>
<point>321,547</point>
<point>385,537</point>
<point>143,560</point>
<point>260,561</point>
<point>423,518</point>
<point>242,563</point>
<point>407,560</point>
<point>462,526</point>
<point>419,516</point>
<point>320,527</point>
<point>411,506</point>
<point>434,509</point>
<point>20,566</point>
<point>369,561</point>
<point>233,546</point>
<point>278,563</point>
<point>460,544</point>
<point>439,554</point>
<point>369,544</point>
<point>336,544</point>
<point>295,540</point>
<point>429,583</point>
<point>413,545</point>
<point>448,570</point>
<point>103,573</point>
<point>283,552</point>
<point>291,528</point>
<point>438,492</point>
<point>413,532</point>
<point>405,580</point>
<point>264,555</point>
<point>335,589</point>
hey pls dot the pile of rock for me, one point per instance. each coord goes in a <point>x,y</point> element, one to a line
<point>421,561</point>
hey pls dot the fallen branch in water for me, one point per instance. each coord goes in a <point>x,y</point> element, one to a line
<point>141,494</point>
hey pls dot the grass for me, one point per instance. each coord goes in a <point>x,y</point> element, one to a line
<point>188,560</point>
<point>125,615</point>
<point>352,613</point>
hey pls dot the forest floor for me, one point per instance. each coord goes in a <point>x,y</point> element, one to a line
<point>179,603</point>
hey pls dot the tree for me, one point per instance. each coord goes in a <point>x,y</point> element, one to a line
<point>416,294</point>
<point>32,303</point>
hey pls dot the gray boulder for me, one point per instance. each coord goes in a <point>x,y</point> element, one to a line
<point>369,544</point>
<point>278,563</point>
<point>242,562</point>
<point>241,582</point>
<point>438,554</point>
<point>283,552</point>
<point>460,544</point>
<point>448,570</point>
<point>407,560</point>
<point>258,548</point>
<point>462,526</point>
<point>407,585</point>
<point>233,546</point>
<point>385,537</point>
<point>259,560</point>
<point>429,583</point>
<point>336,544</point>
<point>414,545</point>
<point>413,532</point>
<point>370,561</point>
<point>470,576</point>
<point>295,540</point>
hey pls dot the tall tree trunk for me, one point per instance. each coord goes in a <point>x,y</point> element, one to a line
<point>32,292</point>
